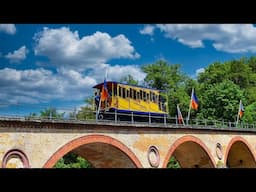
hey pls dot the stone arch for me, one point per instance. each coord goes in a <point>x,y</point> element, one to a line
<point>184,139</point>
<point>247,150</point>
<point>89,140</point>
<point>18,153</point>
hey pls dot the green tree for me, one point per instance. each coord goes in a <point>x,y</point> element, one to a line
<point>250,94</point>
<point>72,160</point>
<point>221,101</point>
<point>51,113</point>
<point>173,163</point>
<point>239,72</point>
<point>168,77</point>
<point>181,97</point>
<point>249,114</point>
<point>87,112</point>
<point>163,76</point>
<point>252,63</point>
<point>129,80</point>
<point>214,73</point>
<point>33,114</point>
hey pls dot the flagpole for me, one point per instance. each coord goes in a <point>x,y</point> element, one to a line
<point>167,108</point>
<point>177,116</point>
<point>237,118</point>
<point>190,106</point>
<point>98,111</point>
<point>106,75</point>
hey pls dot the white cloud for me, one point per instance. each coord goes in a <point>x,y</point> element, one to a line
<point>80,64</point>
<point>18,55</point>
<point>116,72</point>
<point>8,28</point>
<point>200,70</point>
<point>147,30</point>
<point>232,38</point>
<point>41,85</point>
<point>66,49</point>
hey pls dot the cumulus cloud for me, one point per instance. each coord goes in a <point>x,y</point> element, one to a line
<point>80,63</point>
<point>65,48</point>
<point>41,85</point>
<point>116,72</point>
<point>18,55</point>
<point>8,28</point>
<point>232,38</point>
<point>147,30</point>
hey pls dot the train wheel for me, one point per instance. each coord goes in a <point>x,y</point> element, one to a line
<point>100,116</point>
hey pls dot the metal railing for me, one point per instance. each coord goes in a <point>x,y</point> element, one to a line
<point>131,118</point>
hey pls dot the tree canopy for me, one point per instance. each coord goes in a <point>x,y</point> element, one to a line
<point>129,80</point>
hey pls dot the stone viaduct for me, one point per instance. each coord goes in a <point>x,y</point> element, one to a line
<point>28,143</point>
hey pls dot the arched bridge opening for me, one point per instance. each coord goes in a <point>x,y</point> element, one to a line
<point>239,154</point>
<point>190,152</point>
<point>101,152</point>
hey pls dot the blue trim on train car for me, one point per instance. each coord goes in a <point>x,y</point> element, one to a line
<point>137,112</point>
<point>98,86</point>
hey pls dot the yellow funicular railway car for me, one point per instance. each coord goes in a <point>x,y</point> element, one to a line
<point>129,101</point>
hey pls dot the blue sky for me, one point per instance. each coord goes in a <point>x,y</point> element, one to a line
<point>57,65</point>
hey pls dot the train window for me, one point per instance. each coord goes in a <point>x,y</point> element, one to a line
<point>115,90</point>
<point>124,96</point>
<point>131,93</point>
<point>154,97</point>
<point>119,91</point>
<point>150,96</point>
<point>147,96</point>
<point>144,96</point>
<point>138,95</point>
<point>134,94</point>
<point>127,93</point>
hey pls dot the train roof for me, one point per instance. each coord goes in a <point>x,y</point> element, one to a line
<point>98,86</point>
